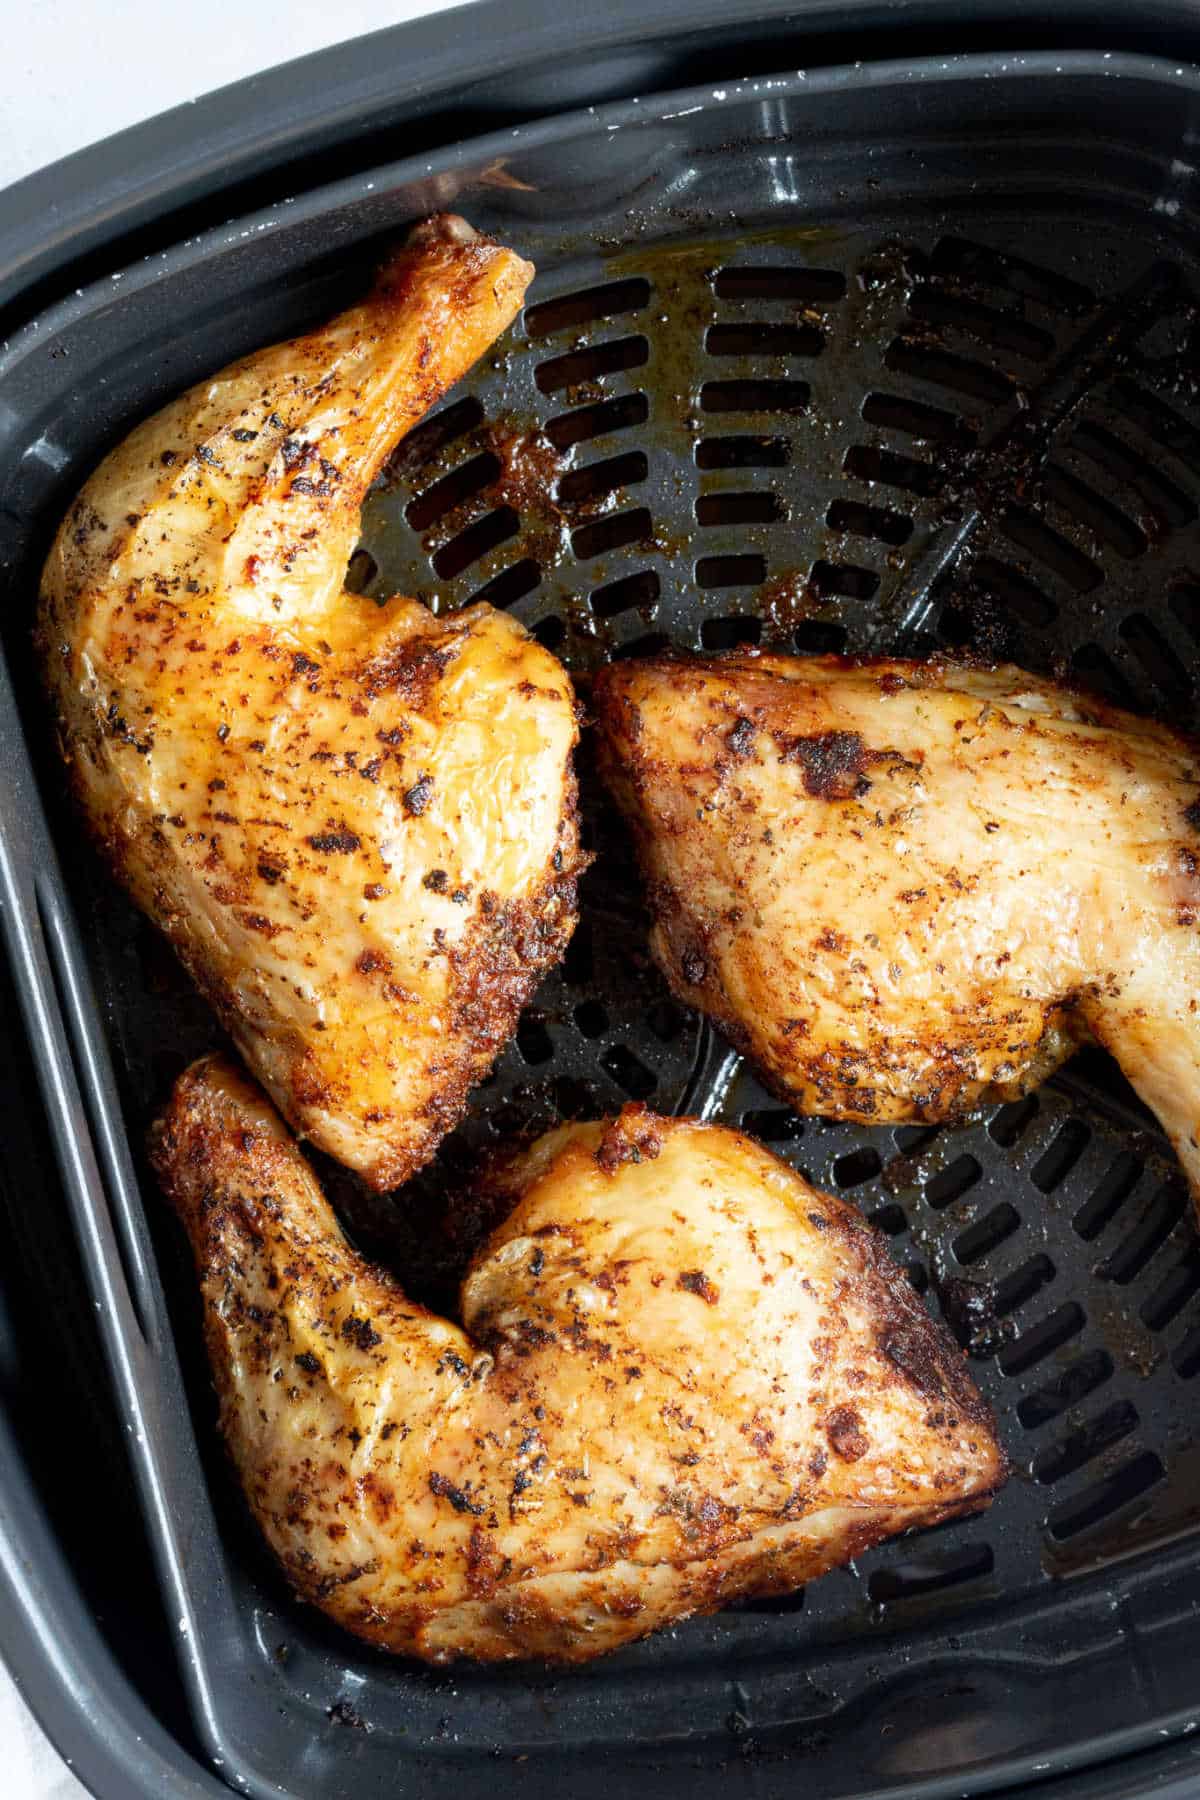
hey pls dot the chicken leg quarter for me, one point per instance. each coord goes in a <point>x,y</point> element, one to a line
<point>682,1376</point>
<point>355,822</point>
<point>907,888</point>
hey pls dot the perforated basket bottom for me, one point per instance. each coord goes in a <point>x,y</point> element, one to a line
<point>824,441</point>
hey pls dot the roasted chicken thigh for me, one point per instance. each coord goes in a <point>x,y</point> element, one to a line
<point>355,822</point>
<point>681,1376</point>
<point>906,888</point>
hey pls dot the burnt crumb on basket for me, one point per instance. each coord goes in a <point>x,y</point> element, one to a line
<point>343,1713</point>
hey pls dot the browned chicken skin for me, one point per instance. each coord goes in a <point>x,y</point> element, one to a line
<point>907,888</point>
<point>682,1376</point>
<point>355,822</point>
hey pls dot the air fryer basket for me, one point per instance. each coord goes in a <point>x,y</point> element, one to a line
<point>883,358</point>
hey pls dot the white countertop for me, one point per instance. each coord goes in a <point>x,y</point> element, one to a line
<point>56,96</point>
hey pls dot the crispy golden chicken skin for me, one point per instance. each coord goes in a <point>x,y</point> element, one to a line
<point>682,1376</point>
<point>355,822</point>
<point>906,888</point>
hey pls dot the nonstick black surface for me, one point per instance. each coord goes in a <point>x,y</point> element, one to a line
<point>821,414</point>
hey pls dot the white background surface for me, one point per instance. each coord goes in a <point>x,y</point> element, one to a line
<point>59,89</point>
<point>59,92</point>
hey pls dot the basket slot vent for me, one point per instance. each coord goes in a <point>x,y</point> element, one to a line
<point>928,424</point>
<point>1032,534</point>
<point>759,508</point>
<point>1098,671</point>
<point>1147,1237</point>
<point>592,364</point>
<point>850,581</point>
<point>728,632</point>
<point>818,286</point>
<point>612,533</point>
<point>770,1603</point>
<point>1160,422</point>
<point>890,469</point>
<point>1060,1155</point>
<point>433,435</point>
<point>852,517</point>
<point>986,1234</point>
<point>452,490</point>
<point>1022,1284</point>
<point>629,1072</point>
<point>1057,1461</point>
<point>640,590</point>
<point>856,1167</point>
<point>763,338</point>
<point>1013,593</point>
<point>952,1182</point>
<point>754,395</point>
<point>978,264</point>
<point>1000,330</point>
<point>469,546</point>
<point>820,637</point>
<point>591,1018</point>
<point>1008,1126</point>
<point>1185,604</point>
<point>1108,452</point>
<point>621,413</point>
<point>928,1575</point>
<point>1043,1339</point>
<point>1109,1195</point>
<point>958,373</point>
<point>774,1124</point>
<point>1185,1358</point>
<point>1174,1291</point>
<point>1103,1498</point>
<point>534,1042</point>
<point>731,571</point>
<point>550,632</point>
<point>595,481</point>
<point>573,1099</point>
<point>360,572</point>
<point>510,585</point>
<point>569,311</point>
<point>910,1140</point>
<point>743,453</point>
<point>1077,1381</point>
<point>1100,516</point>
<point>579,963</point>
<point>1157,657</point>
<point>889,1218</point>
